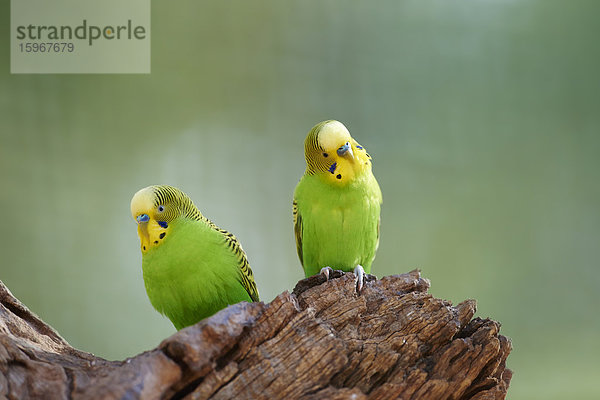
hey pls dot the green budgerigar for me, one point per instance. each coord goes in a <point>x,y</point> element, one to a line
<point>336,204</point>
<point>192,268</point>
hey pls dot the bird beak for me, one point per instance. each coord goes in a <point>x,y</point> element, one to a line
<point>345,149</point>
<point>142,221</point>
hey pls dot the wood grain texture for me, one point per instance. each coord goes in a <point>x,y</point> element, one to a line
<point>322,341</point>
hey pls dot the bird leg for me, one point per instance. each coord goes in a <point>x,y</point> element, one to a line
<point>360,277</point>
<point>326,271</point>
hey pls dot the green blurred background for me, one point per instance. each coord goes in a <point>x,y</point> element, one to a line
<point>482,117</point>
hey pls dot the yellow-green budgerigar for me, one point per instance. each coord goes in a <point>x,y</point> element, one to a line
<point>191,268</point>
<point>336,204</point>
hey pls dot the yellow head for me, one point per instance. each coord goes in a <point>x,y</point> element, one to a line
<point>330,151</point>
<point>154,208</point>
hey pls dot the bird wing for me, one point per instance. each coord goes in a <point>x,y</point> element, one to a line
<point>298,230</point>
<point>248,278</point>
<point>246,275</point>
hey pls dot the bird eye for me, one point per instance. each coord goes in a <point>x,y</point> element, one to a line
<point>325,154</point>
<point>161,208</point>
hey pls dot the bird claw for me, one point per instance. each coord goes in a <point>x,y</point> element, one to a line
<point>359,271</point>
<point>360,278</point>
<point>326,271</point>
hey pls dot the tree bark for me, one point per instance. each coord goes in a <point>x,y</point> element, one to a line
<point>323,341</point>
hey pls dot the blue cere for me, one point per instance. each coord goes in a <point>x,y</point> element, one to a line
<point>333,167</point>
<point>142,218</point>
<point>163,224</point>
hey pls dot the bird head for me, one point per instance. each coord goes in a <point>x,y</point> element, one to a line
<point>155,209</point>
<point>331,152</point>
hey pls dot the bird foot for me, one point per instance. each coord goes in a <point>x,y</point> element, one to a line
<point>359,271</point>
<point>326,271</point>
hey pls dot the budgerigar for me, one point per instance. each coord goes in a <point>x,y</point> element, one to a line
<point>336,204</point>
<point>191,268</point>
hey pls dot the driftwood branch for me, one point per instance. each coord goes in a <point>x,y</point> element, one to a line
<point>320,342</point>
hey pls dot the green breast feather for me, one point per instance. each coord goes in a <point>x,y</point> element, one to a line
<point>336,227</point>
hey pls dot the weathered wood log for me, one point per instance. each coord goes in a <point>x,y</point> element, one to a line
<point>323,341</point>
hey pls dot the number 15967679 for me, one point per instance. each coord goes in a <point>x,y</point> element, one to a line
<point>57,47</point>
